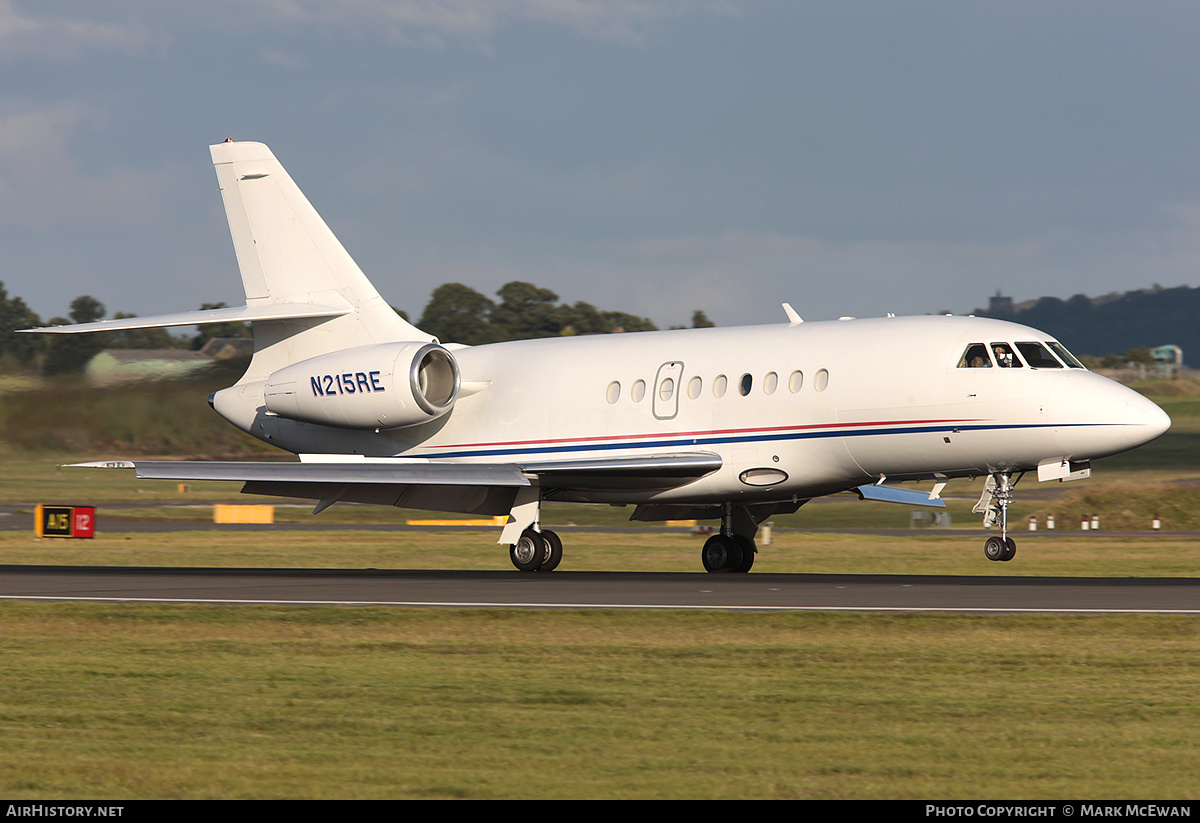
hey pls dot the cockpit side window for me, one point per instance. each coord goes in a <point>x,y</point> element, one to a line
<point>1066,356</point>
<point>1005,357</point>
<point>1037,357</point>
<point>975,357</point>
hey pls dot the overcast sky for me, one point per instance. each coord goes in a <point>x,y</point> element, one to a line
<point>852,158</point>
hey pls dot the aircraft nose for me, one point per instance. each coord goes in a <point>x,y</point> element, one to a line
<point>1143,413</point>
<point>1097,417</point>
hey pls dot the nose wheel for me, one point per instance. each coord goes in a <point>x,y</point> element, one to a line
<point>1000,548</point>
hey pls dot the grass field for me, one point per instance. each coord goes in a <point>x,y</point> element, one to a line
<point>142,701</point>
<point>127,701</point>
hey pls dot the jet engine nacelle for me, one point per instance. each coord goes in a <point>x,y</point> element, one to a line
<point>386,386</point>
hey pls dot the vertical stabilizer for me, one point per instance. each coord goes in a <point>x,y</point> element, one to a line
<point>289,257</point>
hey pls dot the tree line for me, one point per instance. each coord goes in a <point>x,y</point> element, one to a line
<point>1118,327</point>
<point>455,313</point>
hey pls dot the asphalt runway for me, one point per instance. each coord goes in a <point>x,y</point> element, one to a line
<point>512,589</point>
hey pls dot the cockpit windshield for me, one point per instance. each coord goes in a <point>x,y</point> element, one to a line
<point>1066,356</point>
<point>1037,356</point>
<point>1005,358</point>
<point>975,357</point>
<point>1004,355</point>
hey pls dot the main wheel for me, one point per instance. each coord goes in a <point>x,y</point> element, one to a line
<point>529,552</point>
<point>747,547</point>
<point>720,554</point>
<point>995,548</point>
<point>554,551</point>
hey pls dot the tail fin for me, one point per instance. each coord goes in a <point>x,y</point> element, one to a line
<point>305,295</point>
<point>289,258</point>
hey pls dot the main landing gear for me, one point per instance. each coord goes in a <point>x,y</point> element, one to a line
<point>993,504</point>
<point>730,551</point>
<point>540,550</point>
<point>536,551</point>
<point>727,554</point>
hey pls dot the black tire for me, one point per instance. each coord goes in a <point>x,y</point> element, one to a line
<point>1010,549</point>
<point>720,554</point>
<point>748,551</point>
<point>528,553</point>
<point>995,548</point>
<point>554,551</point>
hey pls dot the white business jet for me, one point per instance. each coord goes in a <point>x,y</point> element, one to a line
<point>735,424</point>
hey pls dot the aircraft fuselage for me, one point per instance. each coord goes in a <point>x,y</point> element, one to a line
<point>793,411</point>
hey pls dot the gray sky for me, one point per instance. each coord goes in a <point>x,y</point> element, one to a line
<point>853,158</point>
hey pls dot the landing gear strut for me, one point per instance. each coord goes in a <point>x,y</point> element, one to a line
<point>993,504</point>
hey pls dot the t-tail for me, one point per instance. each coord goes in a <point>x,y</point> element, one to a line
<point>319,324</point>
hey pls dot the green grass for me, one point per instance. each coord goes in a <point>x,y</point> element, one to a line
<point>259,702</point>
<point>645,550</point>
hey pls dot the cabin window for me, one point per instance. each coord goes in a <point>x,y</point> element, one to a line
<point>719,385</point>
<point>614,392</point>
<point>745,385</point>
<point>1005,358</point>
<point>695,386</point>
<point>770,382</point>
<point>1066,356</point>
<point>666,389</point>
<point>975,357</point>
<point>796,382</point>
<point>1037,356</point>
<point>638,391</point>
<point>821,382</point>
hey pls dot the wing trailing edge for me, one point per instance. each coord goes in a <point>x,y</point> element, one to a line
<point>483,488</point>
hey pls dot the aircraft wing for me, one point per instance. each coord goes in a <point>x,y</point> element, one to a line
<point>479,488</point>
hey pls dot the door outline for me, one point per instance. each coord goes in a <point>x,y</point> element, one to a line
<point>667,408</point>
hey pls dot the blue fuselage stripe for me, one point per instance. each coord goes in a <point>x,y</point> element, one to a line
<point>741,438</point>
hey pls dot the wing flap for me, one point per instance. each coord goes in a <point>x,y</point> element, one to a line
<point>439,474</point>
<point>484,488</point>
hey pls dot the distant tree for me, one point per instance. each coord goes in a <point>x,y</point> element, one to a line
<point>700,320</point>
<point>210,331</point>
<point>1141,354</point>
<point>619,321</point>
<point>526,311</point>
<point>86,309</point>
<point>581,318</point>
<point>138,338</point>
<point>69,353</point>
<point>459,314</point>
<point>15,315</point>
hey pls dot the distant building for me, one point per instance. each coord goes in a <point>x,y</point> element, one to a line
<point>226,348</point>
<point>1169,359</point>
<point>132,365</point>
<point>1000,305</point>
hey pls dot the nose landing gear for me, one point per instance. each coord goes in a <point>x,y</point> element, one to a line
<point>993,505</point>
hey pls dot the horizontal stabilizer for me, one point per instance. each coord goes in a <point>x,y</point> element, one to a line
<point>265,311</point>
<point>895,494</point>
